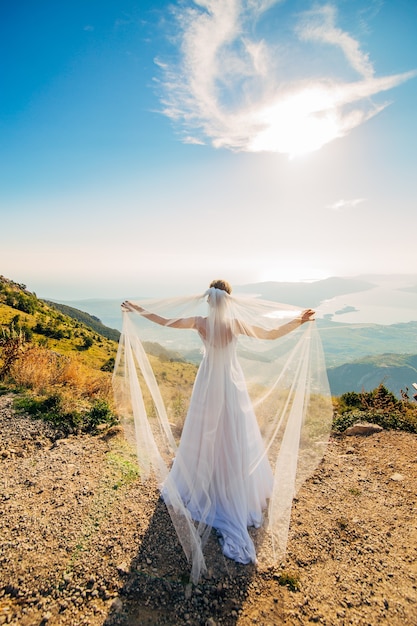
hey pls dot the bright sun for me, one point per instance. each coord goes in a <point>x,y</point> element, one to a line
<point>300,123</point>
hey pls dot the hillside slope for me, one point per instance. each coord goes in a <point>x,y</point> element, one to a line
<point>43,323</point>
<point>85,318</point>
<point>345,343</point>
<point>396,372</point>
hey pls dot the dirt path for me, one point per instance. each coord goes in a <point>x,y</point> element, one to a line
<point>83,541</point>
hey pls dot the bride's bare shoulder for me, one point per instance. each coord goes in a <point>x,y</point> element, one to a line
<point>201,326</point>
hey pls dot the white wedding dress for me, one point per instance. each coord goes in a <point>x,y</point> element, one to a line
<point>222,451</point>
<point>257,424</point>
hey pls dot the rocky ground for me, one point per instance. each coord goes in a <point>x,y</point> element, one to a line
<point>83,541</point>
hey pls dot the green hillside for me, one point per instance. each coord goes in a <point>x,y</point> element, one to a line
<point>396,372</point>
<point>345,343</point>
<point>62,360</point>
<point>85,318</point>
<point>58,367</point>
<point>44,324</point>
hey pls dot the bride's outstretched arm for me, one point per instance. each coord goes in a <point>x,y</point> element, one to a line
<point>185,322</point>
<point>275,333</point>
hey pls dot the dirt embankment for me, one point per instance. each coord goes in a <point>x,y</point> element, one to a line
<point>83,541</point>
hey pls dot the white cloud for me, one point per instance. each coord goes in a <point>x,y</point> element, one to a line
<point>232,88</point>
<point>340,205</point>
<point>193,140</point>
<point>320,25</point>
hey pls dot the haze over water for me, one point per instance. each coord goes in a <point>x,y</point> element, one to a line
<point>385,303</point>
<point>381,305</point>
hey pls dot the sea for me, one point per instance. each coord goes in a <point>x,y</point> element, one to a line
<point>389,300</point>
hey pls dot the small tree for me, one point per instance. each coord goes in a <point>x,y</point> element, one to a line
<point>88,342</point>
<point>11,344</point>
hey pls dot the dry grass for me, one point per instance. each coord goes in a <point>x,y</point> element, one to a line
<point>44,371</point>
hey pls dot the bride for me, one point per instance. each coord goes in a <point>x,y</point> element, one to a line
<point>226,472</point>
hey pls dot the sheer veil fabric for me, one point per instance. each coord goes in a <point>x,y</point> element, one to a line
<point>257,423</point>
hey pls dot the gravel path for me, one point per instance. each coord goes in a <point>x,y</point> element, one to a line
<point>83,541</point>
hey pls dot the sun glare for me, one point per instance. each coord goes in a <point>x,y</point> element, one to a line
<point>301,123</point>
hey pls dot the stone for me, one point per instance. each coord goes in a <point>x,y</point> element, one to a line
<point>397,477</point>
<point>123,568</point>
<point>117,604</point>
<point>363,428</point>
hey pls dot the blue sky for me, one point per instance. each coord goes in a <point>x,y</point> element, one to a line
<point>147,147</point>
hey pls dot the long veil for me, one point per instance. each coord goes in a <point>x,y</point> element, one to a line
<point>285,379</point>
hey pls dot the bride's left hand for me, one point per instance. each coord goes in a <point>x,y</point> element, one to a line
<point>307,316</point>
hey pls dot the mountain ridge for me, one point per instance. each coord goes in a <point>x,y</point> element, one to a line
<point>396,372</point>
<point>307,294</point>
<point>348,348</point>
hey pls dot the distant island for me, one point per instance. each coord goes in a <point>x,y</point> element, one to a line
<point>346,309</point>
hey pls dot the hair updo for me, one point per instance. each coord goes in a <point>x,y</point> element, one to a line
<point>221,284</point>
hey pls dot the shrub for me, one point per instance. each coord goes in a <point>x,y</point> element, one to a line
<point>12,345</point>
<point>87,343</point>
<point>52,408</point>
<point>379,406</point>
<point>108,365</point>
<point>286,579</point>
<point>100,413</point>
<point>26,303</point>
<point>54,332</point>
<point>21,301</point>
<point>61,390</point>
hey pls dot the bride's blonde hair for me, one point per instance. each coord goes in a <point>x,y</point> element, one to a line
<point>221,284</point>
